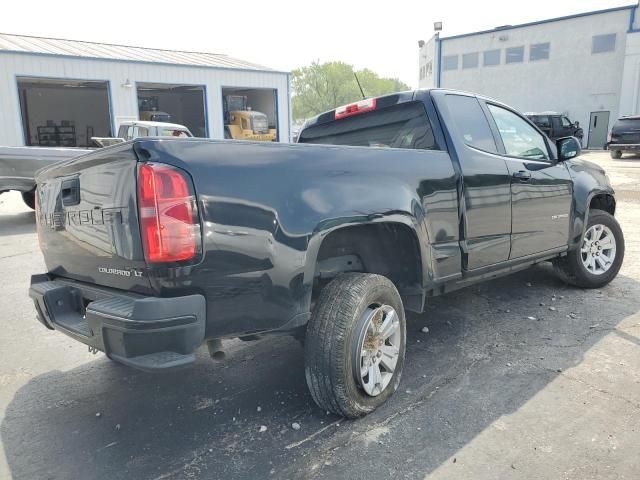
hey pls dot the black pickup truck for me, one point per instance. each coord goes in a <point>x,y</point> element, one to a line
<point>556,126</point>
<point>157,246</point>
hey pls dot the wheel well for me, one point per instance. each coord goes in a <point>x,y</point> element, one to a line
<point>389,249</point>
<point>604,202</point>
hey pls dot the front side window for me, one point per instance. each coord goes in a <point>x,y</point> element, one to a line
<point>519,138</point>
<point>603,43</point>
<point>450,62</point>
<point>539,51</point>
<point>470,60</point>
<point>566,122</point>
<point>491,57</point>
<point>515,55</point>
<point>471,122</point>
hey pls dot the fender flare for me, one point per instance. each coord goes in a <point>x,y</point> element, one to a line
<point>320,234</point>
<point>579,224</point>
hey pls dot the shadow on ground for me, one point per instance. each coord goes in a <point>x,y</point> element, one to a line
<point>482,358</point>
<point>17,224</point>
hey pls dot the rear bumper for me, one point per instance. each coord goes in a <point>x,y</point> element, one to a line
<point>625,147</point>
<point>148,333</point>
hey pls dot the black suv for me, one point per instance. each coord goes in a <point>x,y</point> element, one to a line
<point>556,125</point>
<point>624,136</point>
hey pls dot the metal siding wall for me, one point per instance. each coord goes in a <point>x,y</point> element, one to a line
<point>124,100</point>
<point>572,80</point>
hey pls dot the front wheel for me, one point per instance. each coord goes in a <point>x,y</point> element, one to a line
<point>355,344</point>
<point>616,154</point>
<point>599,258</point>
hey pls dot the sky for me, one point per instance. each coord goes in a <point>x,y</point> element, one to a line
<point>283,35</point>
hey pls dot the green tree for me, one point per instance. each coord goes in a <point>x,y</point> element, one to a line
<point>324,86</point>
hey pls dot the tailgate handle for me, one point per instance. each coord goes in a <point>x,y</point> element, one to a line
<point>70,192</point>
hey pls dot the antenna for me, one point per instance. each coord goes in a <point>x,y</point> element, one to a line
<point>359,86</point>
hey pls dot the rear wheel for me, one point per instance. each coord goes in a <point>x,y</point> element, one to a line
<point>616,154</point>
<point>29,199</point>
<point>355,344</point>
<point>600,255</point>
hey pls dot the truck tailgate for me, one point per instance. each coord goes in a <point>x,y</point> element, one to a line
<point>88,220</point>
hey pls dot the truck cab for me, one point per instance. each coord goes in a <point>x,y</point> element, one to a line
<point>135,129</point>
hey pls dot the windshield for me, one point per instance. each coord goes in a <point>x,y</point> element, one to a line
<point>236,103</point>
<point>401,126</point>
<point>627,124</point>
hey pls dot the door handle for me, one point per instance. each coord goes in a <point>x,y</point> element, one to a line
<point>522,175</point>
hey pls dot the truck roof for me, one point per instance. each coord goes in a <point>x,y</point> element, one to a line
<point>145,123</point>
<point>391,99</point>
<point>528,114</point>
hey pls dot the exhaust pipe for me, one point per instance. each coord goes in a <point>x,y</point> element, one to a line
<point>215,349</point>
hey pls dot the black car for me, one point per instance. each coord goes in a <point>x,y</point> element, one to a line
<point>624,136</point>
<point>556,125</point>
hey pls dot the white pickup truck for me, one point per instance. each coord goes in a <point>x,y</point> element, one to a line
<point>18,165</point>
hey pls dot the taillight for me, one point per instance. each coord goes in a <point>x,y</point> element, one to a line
<point>168,214</point>
<point>609,136</point>
<point>362,106</point>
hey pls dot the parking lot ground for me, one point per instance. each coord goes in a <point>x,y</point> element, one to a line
<point>520,377</point>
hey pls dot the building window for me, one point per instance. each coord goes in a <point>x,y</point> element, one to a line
<point>539,51</point>
<point>470,60</point>
<point>603,43</point>
<point>450,62</point>
<point>426,70</point>
<point>491,57</point>
<point>515,55</point>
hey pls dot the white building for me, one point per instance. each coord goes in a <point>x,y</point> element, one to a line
<point>586,66</point>
<point>63,92</point>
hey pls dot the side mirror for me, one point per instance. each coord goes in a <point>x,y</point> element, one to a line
<point>577,124</point>
<point>568,147</point>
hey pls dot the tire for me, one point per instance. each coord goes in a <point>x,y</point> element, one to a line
<point>29,199</point>
<point>336,335</point>
<point>572,268</point>
<point>616,154</point>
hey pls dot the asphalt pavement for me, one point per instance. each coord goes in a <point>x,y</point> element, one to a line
<point>520,377</point>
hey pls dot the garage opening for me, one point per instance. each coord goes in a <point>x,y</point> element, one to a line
<point>250,113</point>
<point>63,113</point>
<point>182,104</point>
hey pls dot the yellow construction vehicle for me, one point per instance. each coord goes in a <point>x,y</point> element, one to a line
<point>242,123</point>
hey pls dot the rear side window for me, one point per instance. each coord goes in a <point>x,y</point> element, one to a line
<point>471,122</point>
<point>401,126</point>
